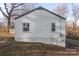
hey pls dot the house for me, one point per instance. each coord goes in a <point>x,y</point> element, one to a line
<point>40,25</point>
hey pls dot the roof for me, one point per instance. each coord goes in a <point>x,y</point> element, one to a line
<point>40,8</point>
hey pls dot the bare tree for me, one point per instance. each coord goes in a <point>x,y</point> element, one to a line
<point>62,10</point>
<point>75,14</point>
<point>9,9</point>
<point>24,8</point>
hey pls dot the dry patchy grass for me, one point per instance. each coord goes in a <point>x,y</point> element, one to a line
<point>34,49</point>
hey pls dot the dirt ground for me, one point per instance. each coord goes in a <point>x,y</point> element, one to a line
<point>13,48</point>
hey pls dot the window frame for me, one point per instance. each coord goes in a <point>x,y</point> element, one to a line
<point>25,27</point>
<point>53,27</point>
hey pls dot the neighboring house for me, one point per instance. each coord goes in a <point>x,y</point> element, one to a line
<point>40,25</point>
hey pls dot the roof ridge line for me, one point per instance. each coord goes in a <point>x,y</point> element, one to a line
<point>39,8</point>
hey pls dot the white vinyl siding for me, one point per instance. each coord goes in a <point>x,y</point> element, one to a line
<point>40,28</point>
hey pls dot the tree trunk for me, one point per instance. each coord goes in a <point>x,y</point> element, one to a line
<point>8,25</point>
<point>74,27</point>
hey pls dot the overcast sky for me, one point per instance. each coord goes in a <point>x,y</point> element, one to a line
<point>50,6</point>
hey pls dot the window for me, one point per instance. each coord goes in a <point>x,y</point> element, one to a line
<point>25,26</point>
<point>53,26</point>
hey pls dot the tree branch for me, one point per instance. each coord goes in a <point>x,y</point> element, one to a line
<point>3,12</point>
<point>13,7</point>
<point>18,5</point>
<point>11,10</point>
<point>6,8</point>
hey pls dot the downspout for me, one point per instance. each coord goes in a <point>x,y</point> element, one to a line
<point>60,28</point>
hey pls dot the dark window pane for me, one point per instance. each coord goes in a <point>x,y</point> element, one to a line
<point>25,26</point>
<point>53,26</point>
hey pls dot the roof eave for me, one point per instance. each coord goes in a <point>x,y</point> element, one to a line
<point>40,8</point>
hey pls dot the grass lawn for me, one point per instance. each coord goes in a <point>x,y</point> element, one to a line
<point>35,49</point>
